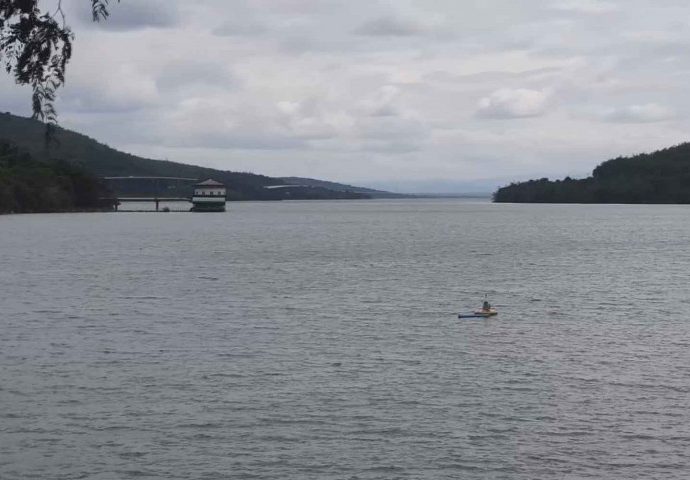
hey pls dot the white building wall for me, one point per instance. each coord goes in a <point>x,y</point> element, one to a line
<point>208,199</point>
<point>208,191</point>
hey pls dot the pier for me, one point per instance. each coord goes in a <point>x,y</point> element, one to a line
<point>157,201</point>
<point>149,189</point>
<point>205,196</point>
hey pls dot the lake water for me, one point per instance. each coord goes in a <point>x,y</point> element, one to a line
<point>320,340</point>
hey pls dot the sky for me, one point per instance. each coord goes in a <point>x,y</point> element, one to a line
<point>407,95</point>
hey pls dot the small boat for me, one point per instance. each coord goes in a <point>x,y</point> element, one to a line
<point>480,314</point>
<point>485,312</point>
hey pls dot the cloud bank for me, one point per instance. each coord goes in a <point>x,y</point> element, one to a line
<point>513,103</point>
<point>377,91</point>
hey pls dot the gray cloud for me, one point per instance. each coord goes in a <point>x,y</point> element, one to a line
<point>513,103</point>
<point>396,27</point>
<point>236,27</point>
<point>237,141</point>
<point>14,99</point>
<point>646,113</point>
<point>587,7</point>
<point>195,74</point>
<point>131,15</point>
<point>377,90</point>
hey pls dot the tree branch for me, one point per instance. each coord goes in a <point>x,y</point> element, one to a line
<point>36,49</point>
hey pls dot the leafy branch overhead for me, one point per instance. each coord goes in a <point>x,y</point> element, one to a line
<point>35,47</point>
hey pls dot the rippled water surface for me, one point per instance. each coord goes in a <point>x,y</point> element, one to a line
<point>320,340</point>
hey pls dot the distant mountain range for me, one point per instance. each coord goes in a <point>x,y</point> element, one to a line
<point>103,161</point>
<point>340,187</point>
<point>440,187</point>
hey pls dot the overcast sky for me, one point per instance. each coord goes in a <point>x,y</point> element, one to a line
<point>413,94</point>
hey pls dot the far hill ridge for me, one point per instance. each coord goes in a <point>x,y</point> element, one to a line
<point>103,161</point>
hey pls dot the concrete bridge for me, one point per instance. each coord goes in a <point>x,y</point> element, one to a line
<point>156,198</point>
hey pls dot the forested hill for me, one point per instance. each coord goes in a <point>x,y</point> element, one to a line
<point>101,160</point>
<point>29,186</point>
<point>659,177</point>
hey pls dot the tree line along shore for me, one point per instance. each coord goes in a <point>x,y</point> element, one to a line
<point>659,177</point>
<point>65,176</point>
<point>28,185</point>
<point>95,160</point>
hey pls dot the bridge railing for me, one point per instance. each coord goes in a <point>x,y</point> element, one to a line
<point>156,197</point>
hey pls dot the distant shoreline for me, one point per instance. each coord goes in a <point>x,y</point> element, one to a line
<point>452,195</point>
<point>133,210</point>
<point>657,178</point>
<point>75,210</point>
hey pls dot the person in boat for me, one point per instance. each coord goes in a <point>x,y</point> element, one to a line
<point>486,306</point>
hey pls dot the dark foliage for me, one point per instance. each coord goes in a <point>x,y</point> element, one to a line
<point>659,177</point>
<point>29,186</point>
<point>35,47</point>
<point>103,161</point>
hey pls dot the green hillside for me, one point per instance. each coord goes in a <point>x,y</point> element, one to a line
<point>659,177</point>
<point>30,186</point>
<point>101,160</point>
